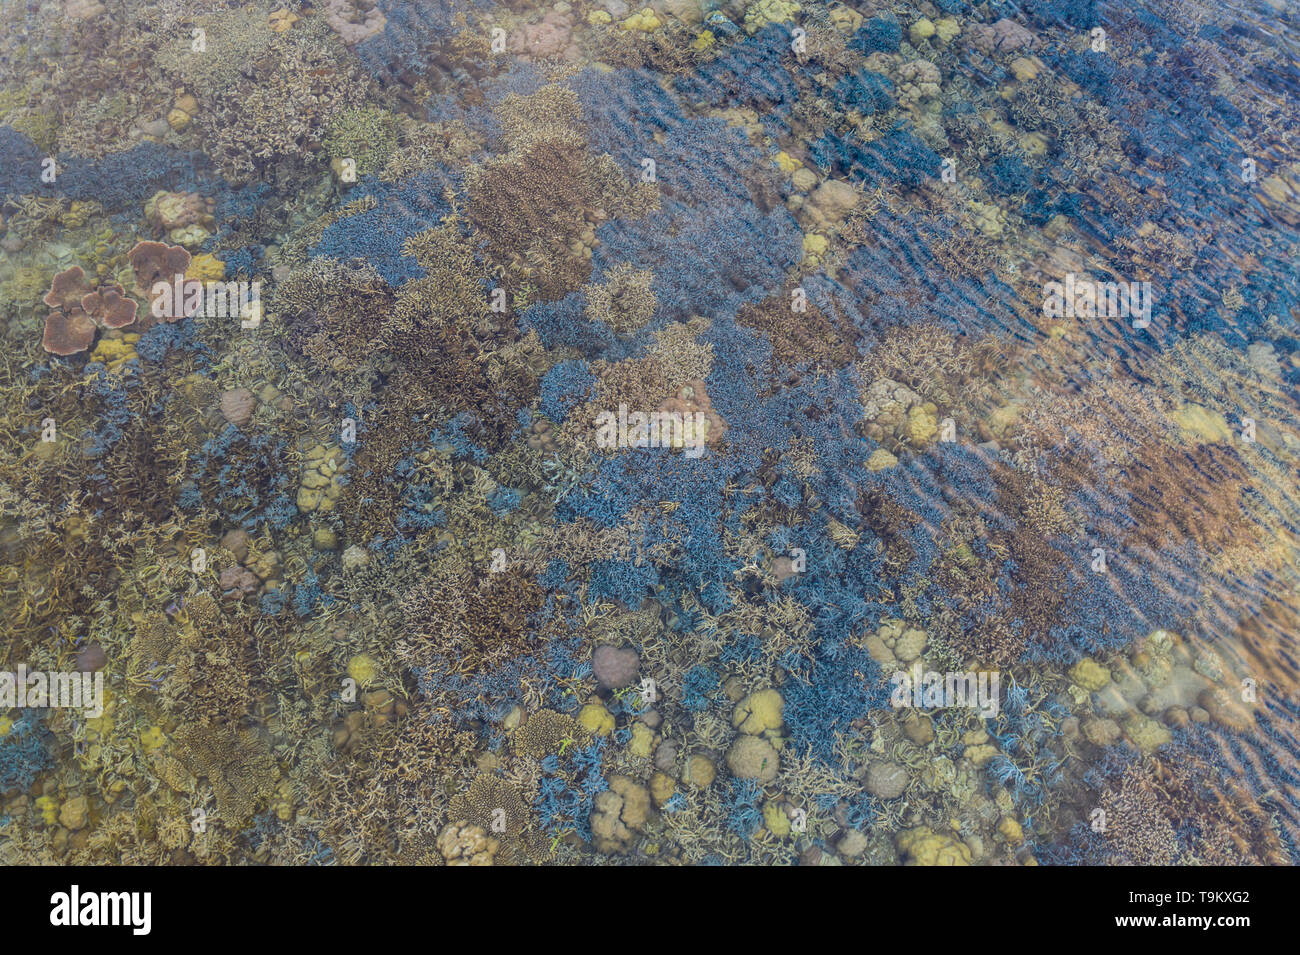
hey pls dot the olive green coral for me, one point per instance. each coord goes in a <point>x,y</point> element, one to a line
<point>366,135</point>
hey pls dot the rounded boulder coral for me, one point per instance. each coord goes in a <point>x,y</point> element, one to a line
<point>918,80</point>
<point>463,843</point>
<point>614,667</point>
<point>752,757</point>
<point>174,210</point>
<point>551,37</point>
<point>620,812</point>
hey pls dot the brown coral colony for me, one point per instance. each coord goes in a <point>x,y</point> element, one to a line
<point>109,306</point>
<point>156,261</point>
<point>70,328</point>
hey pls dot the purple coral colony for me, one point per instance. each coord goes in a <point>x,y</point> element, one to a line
<point>703,432</point>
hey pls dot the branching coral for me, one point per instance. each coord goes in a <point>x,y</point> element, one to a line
<point>365,135</point>
<point>539,203</point>
<point>624,301</point>
<point>468,624</point>
<point>364,799</point>
<point>256,125</point>
<point>802,335</point>
<point>333,313</point>
<point>1163,812</point>
<point>1182,494</point>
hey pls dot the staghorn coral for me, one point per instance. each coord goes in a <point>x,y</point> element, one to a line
<point>383,799</point>
<point>1162,812</point>
<point>255,126</point>
<point>234,38</point>
<point>449,303</point>
<point>333,312</point>
<point>808,338</point>
<point>1041,104</point>
<point>681,356</point>
<point>636,382</point>
<point>1179,494</point>
<point>940,366</point>
<point>668,49</point>
<point>468,622</point>
<point>537,203</point>
<point>422,145</point>
<point>204,668</point>
<point>367,136</point>
<point>624,301</point>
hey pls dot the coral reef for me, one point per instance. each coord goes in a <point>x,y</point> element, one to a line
<point>965,335</point>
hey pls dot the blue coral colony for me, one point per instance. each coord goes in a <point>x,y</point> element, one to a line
<point>702,432</point>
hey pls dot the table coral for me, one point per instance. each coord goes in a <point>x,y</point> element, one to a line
<point>154,262</point>
<point>70,328</point>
